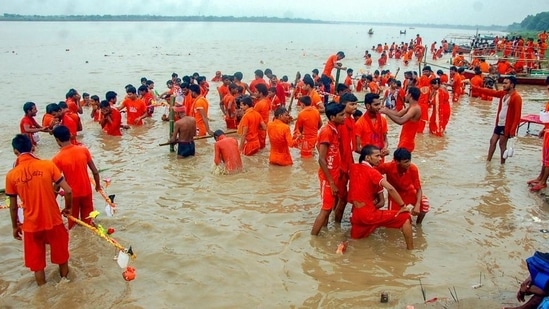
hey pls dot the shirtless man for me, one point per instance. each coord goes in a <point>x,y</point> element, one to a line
<point>409,119</point>
<point>183,134</point>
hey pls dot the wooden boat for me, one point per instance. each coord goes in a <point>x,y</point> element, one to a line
<point>535,77</point>
<point>371,31</point>
<point>402,32</point>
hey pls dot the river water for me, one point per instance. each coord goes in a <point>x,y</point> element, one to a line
<point>204,240</point>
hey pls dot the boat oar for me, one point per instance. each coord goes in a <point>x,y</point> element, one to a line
<point>103,234</point>
<point>196,138</point>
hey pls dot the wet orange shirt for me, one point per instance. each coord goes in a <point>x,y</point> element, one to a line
<point>72,161</point>
<point>281,140</point>
<point>47,120</point>
<point>134,109</point>
<point>226,150</point>
<point>252,120</point>
<point>371,132</point>
<point>200,103</point>
<point>330,65</point>
<point>307,123</point>
<point>263,107</point>
<point>113,128</point>
<point>32,180</point>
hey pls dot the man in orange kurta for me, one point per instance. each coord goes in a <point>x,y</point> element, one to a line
<point>249,127</point>
<point>371,128</point>
<point>456,83</point>
<point>263,107</point>
<point>306,127</point>
<point>439,99</point>
<point>280,138</point>
<point>200,111</point>
<point>424,85</point>
<point>136,110</point>
<point>331,63</point>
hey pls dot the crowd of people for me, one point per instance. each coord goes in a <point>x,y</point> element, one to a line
<point>259,112</point>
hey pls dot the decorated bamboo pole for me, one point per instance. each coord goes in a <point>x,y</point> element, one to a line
<point>172,116</point>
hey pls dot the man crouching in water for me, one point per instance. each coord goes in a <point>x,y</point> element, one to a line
<point>184,133</point>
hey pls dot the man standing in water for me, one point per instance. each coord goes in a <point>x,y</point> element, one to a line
<point>326,78</point>
<point>507,117</point>
<point>31,180</point>
<point>409,118</point>
<point>329,159</point>
<point>183,133</point>
<point>28,124</point>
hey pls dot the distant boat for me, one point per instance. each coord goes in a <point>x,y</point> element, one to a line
<point>371,31</point>
<point>403,32</point>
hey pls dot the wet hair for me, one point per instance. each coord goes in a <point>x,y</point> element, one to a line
<point>315,71</point>
<point>143,79</point>
<point>272,89</point>
<point>435,81</point>
<point>52,108</point>
<point>357,113</point>
<point>308,80</point>
<point>341,87</point>
<point>512,80</point>
<point>72,92</point>
<point>370,97</point>
<point>261,88</point>
<point>128,86</point>
<point>95,98</point>
<point>440,72</point>
<point>131,89</point>
<point>280,111</point>
<point>238,75</point>
<point>332,109</point>
<point>186,79</point>
<point>401,154</point>
<point>174,75</point>
<point>284,78</point>
<point>414,92</point>
<point>268,71</point>
<point>143,88</point>
<point>27,107</point>
<point>194,88</point>
<point>184,85</point>
<point>149,82</point>
<point>62,133</point>
<point>218,133</point>
<point>305,100</point>
<point>85,94</point>
<point>104,104</point>
<point>347,97</point>
<point>110,95</point>
<point>247,100</point>
<point>258,73</point>
<point>21,143</point>
<point>366,151</point>
<point>233,86</point>
<point>349,70</point>
<point>62,105</point>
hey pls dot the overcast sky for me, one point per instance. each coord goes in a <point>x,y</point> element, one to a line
<point>460,12</point>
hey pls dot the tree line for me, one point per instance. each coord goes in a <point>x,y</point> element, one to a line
<point>539,22</point>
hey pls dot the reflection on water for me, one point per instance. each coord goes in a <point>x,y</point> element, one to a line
<point>242,241</point>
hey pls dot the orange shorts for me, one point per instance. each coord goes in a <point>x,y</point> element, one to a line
<point>342,185</point>
<point>328,199</point>
<point>34,244</point>
<point>81,208</point>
